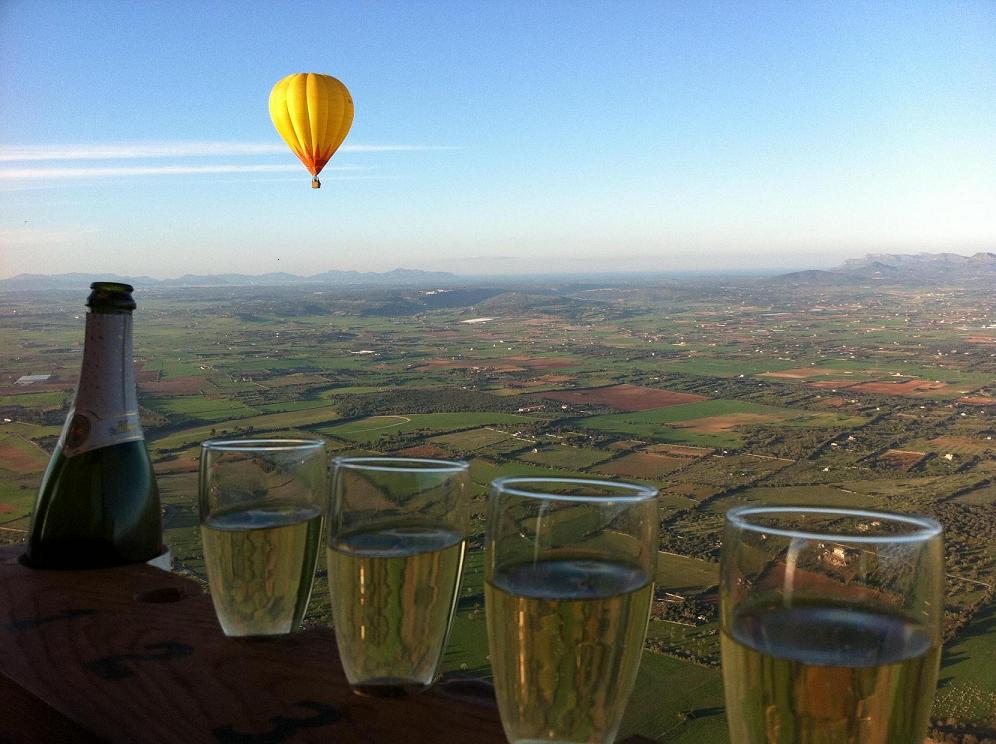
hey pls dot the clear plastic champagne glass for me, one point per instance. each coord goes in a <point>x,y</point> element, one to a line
<point>261,503</point>
<point>397,532</point>
<point>831,623</point>
<point>569,570</point>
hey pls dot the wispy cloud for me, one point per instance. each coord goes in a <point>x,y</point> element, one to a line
<point>113,171</point>
<point>144,150</point>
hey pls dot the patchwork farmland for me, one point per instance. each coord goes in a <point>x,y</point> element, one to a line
<point>717,393</point>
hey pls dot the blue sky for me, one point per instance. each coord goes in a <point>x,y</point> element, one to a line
<point>496,136</point>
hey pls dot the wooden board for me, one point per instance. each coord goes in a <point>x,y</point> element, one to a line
<point>135,654</point>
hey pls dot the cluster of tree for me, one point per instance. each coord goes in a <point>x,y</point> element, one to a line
<point>698,544</point>
<point>965,526</point>
<point>51,417</point>
<point>402,401</point>
<point>800,444</point>
<point>957,618</point>
<point>688,610</point>
<point>679,652</point>
<point>951,731</point>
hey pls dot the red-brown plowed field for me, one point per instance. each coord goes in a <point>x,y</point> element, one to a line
<point>147,375</point>
<point>16,460</point>
<point>908,388</point>
<point>799,373</point>
<point>902,459</point>
<point>38,387</point>
<point>833,402</point>
<point>6,508</point>
<point>978,400</point>
<point>717,424</point>
<point>963,445</point>
<point>555,379</point>
<point>624,397</point>
<point>178,386</point>
<point>680,450</point>
<point>643,465</point>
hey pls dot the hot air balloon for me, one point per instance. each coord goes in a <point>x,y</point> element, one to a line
<point>313,113</point>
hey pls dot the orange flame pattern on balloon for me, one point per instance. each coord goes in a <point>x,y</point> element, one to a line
<point>313,113</point>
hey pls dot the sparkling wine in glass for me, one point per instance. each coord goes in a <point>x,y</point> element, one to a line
<point>261,503</point>
<point>569,571</point>
<point>831,625</point>
<point>397,533</point>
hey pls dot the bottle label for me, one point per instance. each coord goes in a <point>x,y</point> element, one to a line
<point>85,431</point>
<point>105,411</point>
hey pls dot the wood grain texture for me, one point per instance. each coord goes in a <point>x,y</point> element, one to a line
<point>108,651</point>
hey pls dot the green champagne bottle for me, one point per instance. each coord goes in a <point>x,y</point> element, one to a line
<point>98,504</point>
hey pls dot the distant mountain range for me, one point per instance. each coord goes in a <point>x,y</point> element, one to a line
<point>887,268</point>
<point>76,281</point>
<point>879,268</point>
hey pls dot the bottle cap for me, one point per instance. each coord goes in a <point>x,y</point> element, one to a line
<point>111,297</point>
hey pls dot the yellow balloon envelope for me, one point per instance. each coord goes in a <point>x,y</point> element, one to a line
<point>313,113</point>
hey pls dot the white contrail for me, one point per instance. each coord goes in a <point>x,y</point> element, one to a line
<point>19,174</point>
<point>138,150</point>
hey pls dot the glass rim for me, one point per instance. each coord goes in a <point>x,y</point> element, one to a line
<point>261,445</point>
<point>921,528</point>
<point>401,464</point>
<point>637,493</point>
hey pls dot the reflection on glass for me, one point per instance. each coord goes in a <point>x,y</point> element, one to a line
<point>569,581</point>
<point>831,625</point>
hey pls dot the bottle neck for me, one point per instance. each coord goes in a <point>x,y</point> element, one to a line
<point>105,411</point>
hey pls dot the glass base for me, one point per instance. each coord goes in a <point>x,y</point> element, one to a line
<point>389,687</point>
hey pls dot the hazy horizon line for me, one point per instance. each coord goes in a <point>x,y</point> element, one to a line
<point>758,270</point>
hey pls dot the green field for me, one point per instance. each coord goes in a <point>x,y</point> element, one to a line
<point>884,372</point>
<point>373,428</point>
<point>568,458</point>
<point>289,405</point>
<point>967,682</point>
<point>19,503</point>
<point>29,430</point>
<point>199,407</point>
<point>34,400</point>
<point>676,702</point>
<point>268,423</point>
<point>655,424</point>
<point>476,439</point>
<point>684,575</point>
<point>174,367</point>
